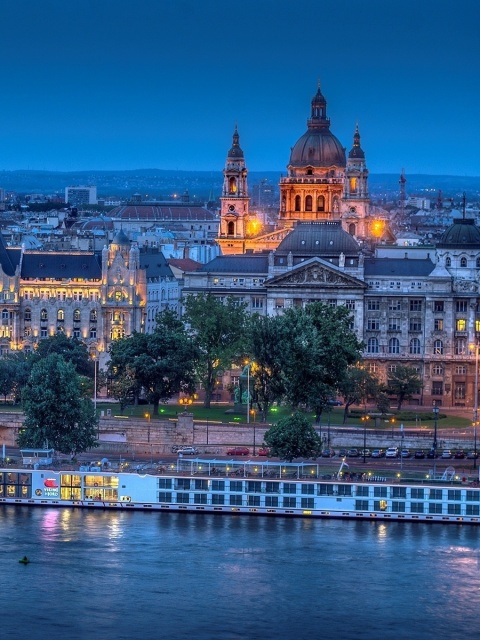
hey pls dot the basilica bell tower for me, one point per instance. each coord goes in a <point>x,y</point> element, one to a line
<point>234,210</point>
<point>356,200</point>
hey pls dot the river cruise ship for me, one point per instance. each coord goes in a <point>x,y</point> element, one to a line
<point>246,487</point>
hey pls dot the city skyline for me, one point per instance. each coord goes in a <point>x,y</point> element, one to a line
<point>114,85</point>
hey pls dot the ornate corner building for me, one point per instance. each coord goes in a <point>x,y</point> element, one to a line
<point>95,298</point>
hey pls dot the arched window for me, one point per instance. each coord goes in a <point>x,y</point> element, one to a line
<point>438,347</point>
<point>284,205</point>
<point>460,347</point>
<point>352,228</point>
<point>448,262</point>
<point>308,203</point>
<point>320,203</point>
<point>28,315</point>
<point>44,315</point>
<point>297,203</point>
<point>372,345</point>
<point>76,315</point>
<point>415,346</point>
<point>231,229</point>
<point>93,315</point>
<point>60,315</point>
<point>394,345</point>
<point>232,185</point>
<point>463,262</point>
<point>5,315</point>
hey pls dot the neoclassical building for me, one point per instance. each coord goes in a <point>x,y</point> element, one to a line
<point>415,307</point>
<point>323,183</point>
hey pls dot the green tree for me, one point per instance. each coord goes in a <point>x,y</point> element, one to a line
<point>123,387</point>
<point>403,383</point>
<point>22,367</point>
<point>218,332</point>
<point>266,346</point>
<point>357,385</point>
<point>319,345</point>
<point>7,377</point>
<point>56,410</point>
<point>293,437</point>
<point>71,349</point>
<point>162,362</point>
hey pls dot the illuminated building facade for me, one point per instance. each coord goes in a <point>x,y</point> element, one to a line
<point>323,183</point>
<point>418,308</point>
<point>96,298</point>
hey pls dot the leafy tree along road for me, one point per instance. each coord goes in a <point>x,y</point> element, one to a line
<point>57,412</point>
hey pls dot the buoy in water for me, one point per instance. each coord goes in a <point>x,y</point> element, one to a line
<point>24,560</point>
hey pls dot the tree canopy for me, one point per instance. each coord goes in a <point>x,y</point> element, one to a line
<point>293,437</point>
<point>266,348</point>
<point>318,347</point>
<point>356,386</point>
<point>218,334</point>
<point>404,382</point>
<point>57,413</point>
<point>162,362</point>
<point>71,349</point>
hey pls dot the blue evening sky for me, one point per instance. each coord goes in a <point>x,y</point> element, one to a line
<point>125,84</point>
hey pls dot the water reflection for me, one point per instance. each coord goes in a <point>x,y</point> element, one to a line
<point>211,577</point>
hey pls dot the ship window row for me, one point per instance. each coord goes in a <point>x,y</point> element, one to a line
<point>167,497</point>
<point>322,489</point>
<point>432,508</point>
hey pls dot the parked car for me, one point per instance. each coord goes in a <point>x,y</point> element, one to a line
<point>432,454</point>
<point>352,453</point>
<point>391,452</point>
<point>328,453</point>
<point>187,451</point>
<point>342,453</point>
<point>472,455</point>
<point>378,453</point>
<point>238,451</point>
<point>365,453</point>
<point>459,454</point>
<point>419,454</point>
<point>405,453</point>
<point>333,402</point>
<point>447,453</point>
<point>263,451</point>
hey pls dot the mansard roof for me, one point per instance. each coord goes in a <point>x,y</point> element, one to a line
<point>61,265</point>
<point>153,213</point>
<point>401,267</point>
<point>326,237</point>
<point>237,264</point>
<point>155,265</point>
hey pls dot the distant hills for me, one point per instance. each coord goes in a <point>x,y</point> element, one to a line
<point>163,183</point>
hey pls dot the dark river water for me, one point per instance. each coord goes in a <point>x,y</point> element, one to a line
<point>116,575</point>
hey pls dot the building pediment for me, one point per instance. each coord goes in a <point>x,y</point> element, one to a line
<point>316,273</point>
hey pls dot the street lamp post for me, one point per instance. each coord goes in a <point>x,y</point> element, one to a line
<point>364,420</point>
<point>147,416</point>
<point>95,360</point>
<point>248,393</point>
<point>435,410</point>
<point>401,446</point>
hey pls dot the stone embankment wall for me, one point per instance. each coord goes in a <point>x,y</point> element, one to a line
<point>155,437</point>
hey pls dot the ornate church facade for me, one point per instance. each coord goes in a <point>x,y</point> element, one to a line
<point>322,183</point>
